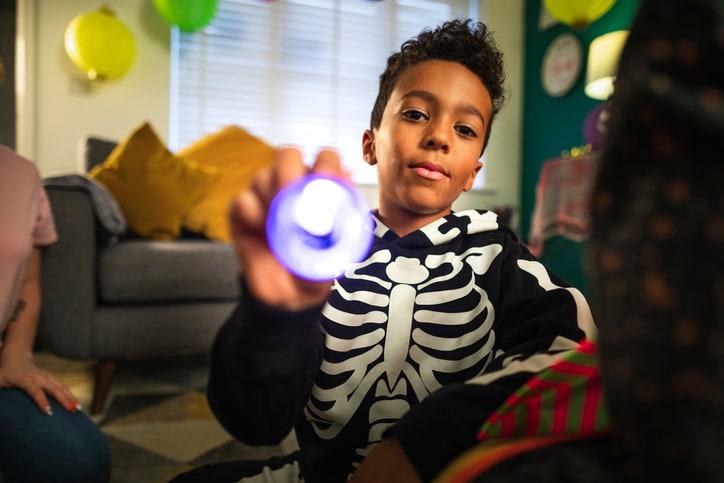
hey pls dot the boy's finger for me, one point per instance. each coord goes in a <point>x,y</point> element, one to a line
<point>328,162</point>
<point>289,166</point>
<point>262,187</point>
<point>247,213</point>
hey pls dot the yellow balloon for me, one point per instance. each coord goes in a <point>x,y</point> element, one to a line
<point>100,44</point>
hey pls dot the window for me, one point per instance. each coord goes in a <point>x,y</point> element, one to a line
<point>294,71</point>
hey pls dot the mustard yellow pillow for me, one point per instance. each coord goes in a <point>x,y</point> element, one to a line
<point>153,187</point>
<point>238,156</point>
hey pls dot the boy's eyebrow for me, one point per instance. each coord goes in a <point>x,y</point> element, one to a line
<point>427,96</point>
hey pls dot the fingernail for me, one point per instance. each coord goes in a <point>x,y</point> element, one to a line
<point>49,411</point>
<point>78,407</point>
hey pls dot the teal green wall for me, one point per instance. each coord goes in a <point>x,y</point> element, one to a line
<point>552,125</point>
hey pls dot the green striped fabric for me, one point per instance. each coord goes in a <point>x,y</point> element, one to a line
<point>565,398</point>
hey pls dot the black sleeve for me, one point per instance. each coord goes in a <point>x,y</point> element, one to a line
<point>446,423</point>
<point>539,317</point>
<point>262,367</point>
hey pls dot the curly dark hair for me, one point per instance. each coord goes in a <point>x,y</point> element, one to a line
<point>462,40</point>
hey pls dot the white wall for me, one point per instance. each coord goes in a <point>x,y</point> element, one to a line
<point>58,108</point>
<point>503,155</point>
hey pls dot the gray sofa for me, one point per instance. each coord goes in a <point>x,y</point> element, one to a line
<point>108,298</point>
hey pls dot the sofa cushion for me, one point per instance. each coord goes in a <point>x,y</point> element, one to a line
<point>97,151</point>
<point>238,155</point>
<point>161,271</point>
<point>153,187</point>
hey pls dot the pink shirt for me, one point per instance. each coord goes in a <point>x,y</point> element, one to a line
<point>25,222</point>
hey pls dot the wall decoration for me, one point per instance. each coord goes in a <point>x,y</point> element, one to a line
<point>562,64</point>
<point>100,44</point>
<point>188,15</point>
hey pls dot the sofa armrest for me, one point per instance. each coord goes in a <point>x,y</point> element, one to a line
<point>69,276</point>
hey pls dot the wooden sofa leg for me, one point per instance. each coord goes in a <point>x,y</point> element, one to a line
<point>105,370</point>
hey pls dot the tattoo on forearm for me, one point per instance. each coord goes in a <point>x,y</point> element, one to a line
<point>18,310</point>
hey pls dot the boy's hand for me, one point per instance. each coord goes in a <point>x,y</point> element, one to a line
<point>269,281</point>
<point>387,462</point>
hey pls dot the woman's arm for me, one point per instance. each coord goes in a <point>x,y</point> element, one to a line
<point>17,368</point>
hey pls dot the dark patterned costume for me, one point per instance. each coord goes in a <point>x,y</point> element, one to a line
<point>658,244</point>
<point>424,339</point>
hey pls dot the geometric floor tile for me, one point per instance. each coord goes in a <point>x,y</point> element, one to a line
<point>179,441</point>
<point>157,421</point>
<point>133,464</point>
<point>154,408</point>
<point>121,407</point>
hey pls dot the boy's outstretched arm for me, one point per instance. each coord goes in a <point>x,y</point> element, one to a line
<point>265,356</point>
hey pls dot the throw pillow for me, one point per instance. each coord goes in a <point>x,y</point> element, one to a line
<point>153,187</point>
<point>239,156</point>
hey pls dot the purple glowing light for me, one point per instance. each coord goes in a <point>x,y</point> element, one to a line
<point>319,226</point>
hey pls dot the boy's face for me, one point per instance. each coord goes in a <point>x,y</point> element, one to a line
<point>428,144</point>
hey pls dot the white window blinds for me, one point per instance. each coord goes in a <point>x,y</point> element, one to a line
<point>303,72</point>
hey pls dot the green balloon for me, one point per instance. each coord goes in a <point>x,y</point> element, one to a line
<point>189,15</point>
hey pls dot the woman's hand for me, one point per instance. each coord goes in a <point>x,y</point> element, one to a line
<point>22,373</point>
<point>268,280</point>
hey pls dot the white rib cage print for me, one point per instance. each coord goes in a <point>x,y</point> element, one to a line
<point>431,332</point>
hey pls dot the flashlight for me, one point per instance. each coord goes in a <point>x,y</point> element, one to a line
<point>319,226</point>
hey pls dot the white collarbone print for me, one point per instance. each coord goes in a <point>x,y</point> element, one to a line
<point>406,324</point>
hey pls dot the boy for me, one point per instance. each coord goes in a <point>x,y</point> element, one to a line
<point>447,316</point>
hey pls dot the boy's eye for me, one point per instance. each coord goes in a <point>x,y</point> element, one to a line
<point>414,115</point>
<point>466,131</point>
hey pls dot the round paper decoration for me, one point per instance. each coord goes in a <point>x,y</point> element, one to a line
<point>100,44</point>
<point>188,15</point>
<point>562,64</point>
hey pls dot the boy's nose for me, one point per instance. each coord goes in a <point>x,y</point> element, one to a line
<point>437,138</point>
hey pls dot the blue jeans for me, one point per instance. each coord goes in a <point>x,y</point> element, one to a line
<point>34,447</point>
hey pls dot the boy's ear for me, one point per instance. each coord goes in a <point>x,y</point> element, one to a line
<point>368,147</point>
<point>476,169</point>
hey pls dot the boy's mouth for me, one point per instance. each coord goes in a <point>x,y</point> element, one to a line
<point>429,171</point>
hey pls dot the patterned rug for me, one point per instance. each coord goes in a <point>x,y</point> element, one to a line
<point>157,420</point>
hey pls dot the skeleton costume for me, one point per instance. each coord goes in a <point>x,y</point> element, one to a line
<point>423,340</point>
